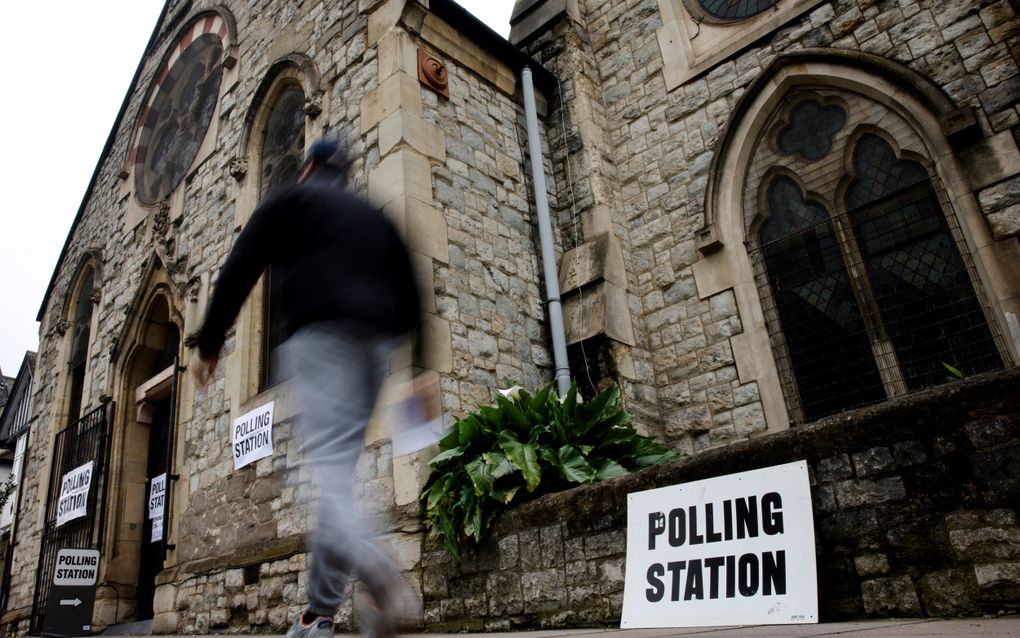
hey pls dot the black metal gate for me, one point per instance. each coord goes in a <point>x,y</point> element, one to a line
<point>78,444</point>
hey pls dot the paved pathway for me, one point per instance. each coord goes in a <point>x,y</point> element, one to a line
<point>998,627</point>
<point>995,627</point>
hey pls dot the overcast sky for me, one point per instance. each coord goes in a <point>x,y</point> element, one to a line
<point>68,66</point>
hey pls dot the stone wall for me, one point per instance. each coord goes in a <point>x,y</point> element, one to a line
<point>490,290</point>
<point>915,507</point>
<point>656,150</point>
<point>449,171</point>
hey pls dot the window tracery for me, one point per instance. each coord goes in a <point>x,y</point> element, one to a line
<point>866,287</point>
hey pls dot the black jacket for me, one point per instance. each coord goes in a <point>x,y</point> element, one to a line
<point>334,257</point>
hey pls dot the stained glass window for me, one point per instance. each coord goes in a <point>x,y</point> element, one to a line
<point>282,153</point>
<point>825,336</point>
<point>915,271</point>
<point>811,130</point>
<point>179,112</point>
<point>872,302</point>
<point>734,10</point>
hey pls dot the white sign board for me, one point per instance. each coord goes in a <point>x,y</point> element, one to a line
<point>732,550</point>
<point>157,503</point>
<point>76,568</point>
<point>252,436</point>
<point>74,494</point>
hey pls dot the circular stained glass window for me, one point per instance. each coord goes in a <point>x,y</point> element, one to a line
<point>180,109</point>
<point>728,10</point>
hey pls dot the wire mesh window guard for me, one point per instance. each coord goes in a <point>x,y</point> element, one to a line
<point>80,346</point>
<point>872,302</point>
<point>282,153</point>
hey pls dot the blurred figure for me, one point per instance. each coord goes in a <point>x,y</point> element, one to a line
<point>348,293</point>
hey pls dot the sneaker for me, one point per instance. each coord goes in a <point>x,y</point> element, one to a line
<point>321,627</point>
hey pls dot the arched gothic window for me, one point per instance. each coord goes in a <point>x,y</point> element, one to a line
<point>866,284</point>
<point>283,145</point>
<point>81,327</point>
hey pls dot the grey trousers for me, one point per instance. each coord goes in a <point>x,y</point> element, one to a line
<point>337,371</point>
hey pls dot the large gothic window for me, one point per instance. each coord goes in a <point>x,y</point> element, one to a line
<point>283,144</point>
<point>81,327</point>
<point>865,283</point>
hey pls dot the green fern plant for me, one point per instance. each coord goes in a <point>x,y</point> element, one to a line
<point>524,446</point>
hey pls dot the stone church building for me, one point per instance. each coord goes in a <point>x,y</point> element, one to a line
<point>768,215</point>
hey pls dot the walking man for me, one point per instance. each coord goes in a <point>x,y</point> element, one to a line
<point>348,293</point>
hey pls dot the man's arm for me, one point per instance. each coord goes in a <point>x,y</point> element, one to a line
<point>251,254</point>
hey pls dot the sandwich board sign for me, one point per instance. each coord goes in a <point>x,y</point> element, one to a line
<point>731,550</point>
<point>73,596</point>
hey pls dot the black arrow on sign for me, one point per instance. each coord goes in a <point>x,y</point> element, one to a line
<point>70,602</point>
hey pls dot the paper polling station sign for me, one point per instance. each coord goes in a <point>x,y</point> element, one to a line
<point>74,494</point>
<point>252,436</point>
<point>732,550</point>
<point>157,504</point>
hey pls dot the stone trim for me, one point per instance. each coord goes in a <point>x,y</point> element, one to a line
<point>244,365</point>
<point>401,183</point>
<point>690,46</point>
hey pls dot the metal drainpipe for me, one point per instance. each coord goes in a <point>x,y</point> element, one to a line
<point>552,283</point>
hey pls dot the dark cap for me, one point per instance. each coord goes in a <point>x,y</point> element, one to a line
<point>328,152</point>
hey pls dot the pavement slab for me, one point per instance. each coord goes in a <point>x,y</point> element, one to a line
<point>995,627</point>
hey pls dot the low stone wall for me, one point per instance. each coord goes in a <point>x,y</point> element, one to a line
<point>915,505</point>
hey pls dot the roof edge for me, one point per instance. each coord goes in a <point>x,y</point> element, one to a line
<point>507,52</point>
<point>102,160</point>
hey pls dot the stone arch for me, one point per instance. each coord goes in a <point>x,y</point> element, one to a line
<point>78,324</point>
<point>147,348</point>
<point>723,242</point>
<point>895,85</point>
<point>179,32</point>
<point>294,68</point>
<point>255,328</point>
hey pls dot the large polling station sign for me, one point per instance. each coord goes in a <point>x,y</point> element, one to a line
<point>252,436</point>
<point>73,595</point>
<point>74,494</point>
<point>732,550</point>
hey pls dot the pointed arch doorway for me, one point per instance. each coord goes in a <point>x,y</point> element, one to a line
<point>144,452</point>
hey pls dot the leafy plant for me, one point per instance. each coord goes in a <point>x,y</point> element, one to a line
<point>955,374</point>
<point>524,446</point>
<point>6,490</point>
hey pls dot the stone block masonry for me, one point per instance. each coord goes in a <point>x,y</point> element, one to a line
<point>659,141</point>
<point>915,506</point>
